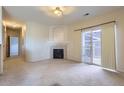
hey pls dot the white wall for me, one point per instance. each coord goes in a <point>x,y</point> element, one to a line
<point>0,24</point>
<point>58,33</point>
<point>1,46</point>
<point>36,42</point>
<point>74,47</point>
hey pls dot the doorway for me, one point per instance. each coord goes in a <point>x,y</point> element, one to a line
<point>14,46</point>
<point>13,42</point>
<point>91,46</point>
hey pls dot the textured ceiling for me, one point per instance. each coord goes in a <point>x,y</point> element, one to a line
<point>41,15</point>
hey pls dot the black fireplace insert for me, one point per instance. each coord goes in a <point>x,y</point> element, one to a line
<point>58,53</point>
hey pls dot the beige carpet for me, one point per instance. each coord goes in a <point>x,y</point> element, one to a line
<point>56,73</point>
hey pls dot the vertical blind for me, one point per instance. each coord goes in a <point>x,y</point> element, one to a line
<point>108,59</point>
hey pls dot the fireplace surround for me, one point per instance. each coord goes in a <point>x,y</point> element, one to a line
<point>58,51</point>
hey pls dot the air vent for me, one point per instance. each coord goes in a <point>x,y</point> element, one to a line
<point>86,14</point>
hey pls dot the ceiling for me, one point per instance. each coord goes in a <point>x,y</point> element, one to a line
<point>37,14</point>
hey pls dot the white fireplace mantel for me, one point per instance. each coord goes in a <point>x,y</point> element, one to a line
<point>53,43</point>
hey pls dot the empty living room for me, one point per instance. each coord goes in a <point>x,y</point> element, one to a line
<point>62,46</point>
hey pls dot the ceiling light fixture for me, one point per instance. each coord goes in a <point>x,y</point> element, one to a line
<point>58,11</point>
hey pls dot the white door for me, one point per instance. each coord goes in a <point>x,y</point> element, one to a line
<point>14,46</point>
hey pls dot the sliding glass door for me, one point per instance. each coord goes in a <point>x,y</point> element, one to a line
<point>96,47</point>
<point>91,46</point>
<point>86,48</point>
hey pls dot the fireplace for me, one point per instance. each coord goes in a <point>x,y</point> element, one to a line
<point>58,53</point>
